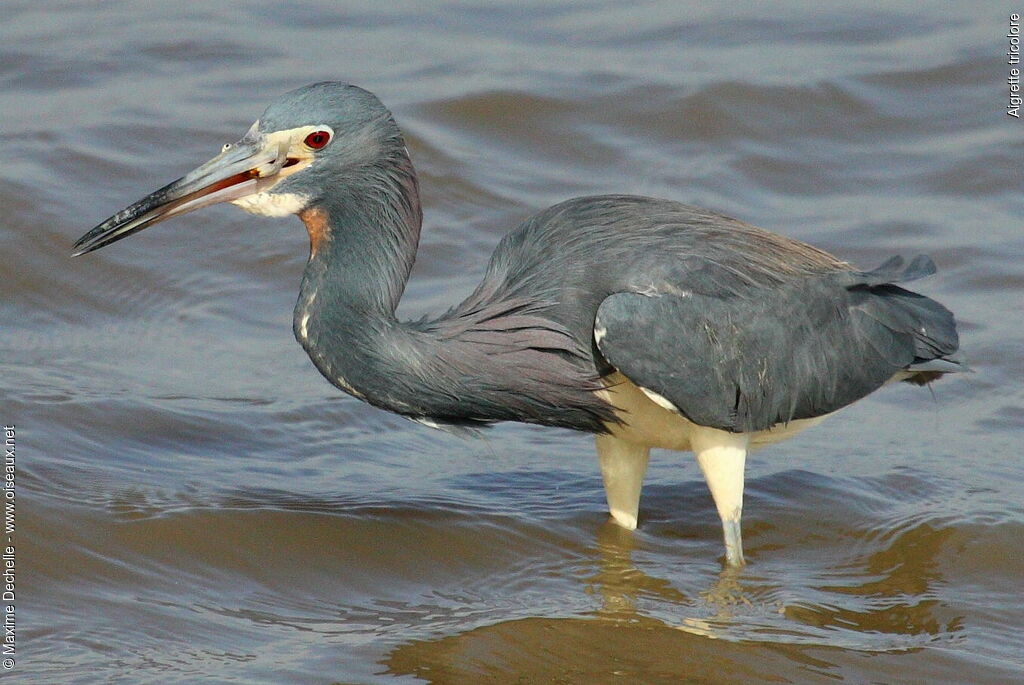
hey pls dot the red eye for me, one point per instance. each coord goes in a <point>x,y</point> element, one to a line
<point>317,139</point>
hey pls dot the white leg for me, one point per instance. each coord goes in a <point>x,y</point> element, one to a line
<point>623,465</point>
<point>722,456</point>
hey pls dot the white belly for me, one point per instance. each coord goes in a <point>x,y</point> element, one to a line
<point>646,423</point>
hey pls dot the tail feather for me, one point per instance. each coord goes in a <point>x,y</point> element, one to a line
<point>929,324</point>
<point>891,271</point>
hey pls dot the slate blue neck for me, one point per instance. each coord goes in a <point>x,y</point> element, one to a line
<point>358,267</point>
<point>438,370</point>
<point>373,220</point>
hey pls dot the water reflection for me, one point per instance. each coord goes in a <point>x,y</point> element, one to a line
<point>185,472</point>
<point>742,624</point>
<point>618,581</point>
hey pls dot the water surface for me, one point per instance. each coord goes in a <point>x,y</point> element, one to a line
<point>196,503</point>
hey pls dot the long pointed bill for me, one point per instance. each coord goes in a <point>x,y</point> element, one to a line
<point>244,168</point>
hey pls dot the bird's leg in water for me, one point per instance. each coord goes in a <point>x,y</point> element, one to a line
<point>722,456</point>
<point>623,465</point>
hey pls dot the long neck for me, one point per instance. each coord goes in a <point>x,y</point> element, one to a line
<point>365,231</point>
<point>461,368</point>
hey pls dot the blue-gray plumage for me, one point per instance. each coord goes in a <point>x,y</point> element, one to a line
<point>647,322</point>
<point>744,366</point>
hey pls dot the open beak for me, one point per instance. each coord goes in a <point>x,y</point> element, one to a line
<point>243,168</point>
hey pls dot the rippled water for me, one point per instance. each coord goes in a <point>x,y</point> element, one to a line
<point>195,503</point>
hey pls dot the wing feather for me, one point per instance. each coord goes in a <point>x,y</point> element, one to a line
<point>801,349</point>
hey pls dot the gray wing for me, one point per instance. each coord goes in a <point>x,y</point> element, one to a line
<point>793,351</point>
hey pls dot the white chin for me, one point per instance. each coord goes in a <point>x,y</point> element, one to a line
<point>272,204</point>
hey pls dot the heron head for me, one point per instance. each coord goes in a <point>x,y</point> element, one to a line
<point>282,165</point>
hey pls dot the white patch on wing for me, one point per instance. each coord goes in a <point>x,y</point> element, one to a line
<point>599,332</point>
<point>272,204</point>
<point>659,400</point>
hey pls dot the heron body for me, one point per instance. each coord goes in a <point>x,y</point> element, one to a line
<point>646,322</point>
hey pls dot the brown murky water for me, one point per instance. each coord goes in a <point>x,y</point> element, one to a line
<point>194,503</point>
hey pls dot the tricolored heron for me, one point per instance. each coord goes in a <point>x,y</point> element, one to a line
<point>647,322</point>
